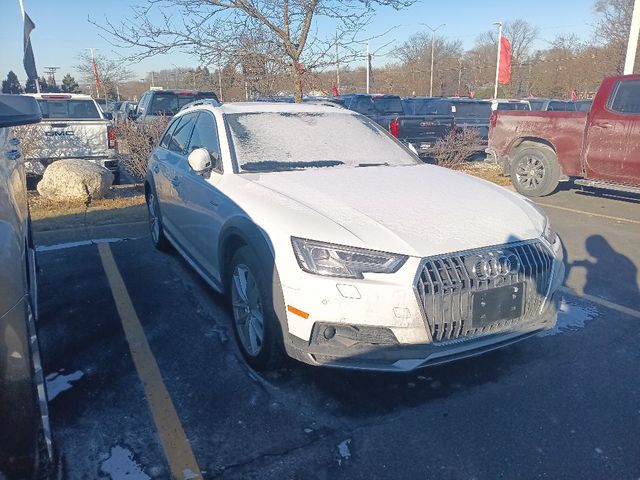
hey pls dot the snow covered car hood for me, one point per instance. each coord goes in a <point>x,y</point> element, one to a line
<point>417,210</point>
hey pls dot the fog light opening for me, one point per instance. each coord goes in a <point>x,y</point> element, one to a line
<point>329,333</point>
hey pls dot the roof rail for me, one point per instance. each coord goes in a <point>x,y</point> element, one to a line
<point>203,101</point>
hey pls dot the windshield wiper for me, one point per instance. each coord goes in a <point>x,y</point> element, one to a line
<point>385,164</point>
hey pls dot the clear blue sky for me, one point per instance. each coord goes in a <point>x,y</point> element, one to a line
<point>62,30</point>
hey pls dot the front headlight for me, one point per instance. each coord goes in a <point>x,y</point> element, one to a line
<point>341,261</point>
<point>549,232</point>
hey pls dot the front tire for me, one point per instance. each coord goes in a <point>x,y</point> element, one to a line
<point>535,171</point>
<point>255,324</point>
<point>156,229</point>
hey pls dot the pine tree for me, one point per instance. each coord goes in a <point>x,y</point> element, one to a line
<point>69,84</point>
<point>30,86</point>
<point>11,84</point>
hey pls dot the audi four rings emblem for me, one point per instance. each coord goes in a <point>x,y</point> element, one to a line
<point>493,266</point>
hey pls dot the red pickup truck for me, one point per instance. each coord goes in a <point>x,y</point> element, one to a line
<point>599,148</point>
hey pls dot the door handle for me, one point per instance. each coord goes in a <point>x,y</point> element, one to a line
<point>603,125</point>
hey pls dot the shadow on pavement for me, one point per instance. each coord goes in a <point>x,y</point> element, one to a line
<point>608,267</point>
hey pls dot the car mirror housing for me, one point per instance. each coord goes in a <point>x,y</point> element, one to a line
<point>18,110</point>
<point>200,161</point>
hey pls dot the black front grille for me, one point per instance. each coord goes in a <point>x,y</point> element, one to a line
<point>446,284</point>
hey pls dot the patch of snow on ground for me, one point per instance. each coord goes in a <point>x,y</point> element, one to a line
<point>572,316</point>
<point>121,465</point>
<point>344,451</point>
<point>58,383</point>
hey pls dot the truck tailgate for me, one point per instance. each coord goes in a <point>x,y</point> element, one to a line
<point>423,131</point>
<point>73,139</point>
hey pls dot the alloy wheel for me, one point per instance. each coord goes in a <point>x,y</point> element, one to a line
<point>530,173</point>
<point>247,310</point>
<point>154,220</point>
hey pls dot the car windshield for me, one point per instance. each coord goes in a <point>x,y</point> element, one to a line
<point>472,109</point>
<point>169,103</point>
<point>388,105</point>
<point>77,109</point>
<point>276,141</point>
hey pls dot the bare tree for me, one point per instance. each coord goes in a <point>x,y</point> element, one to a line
<point>415,57</point>
<point>612,30</point>
<point>283,32</point>
<point>112,72</point>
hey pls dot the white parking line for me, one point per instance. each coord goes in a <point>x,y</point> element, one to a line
<point>599,215</point>
<point>601,301</point>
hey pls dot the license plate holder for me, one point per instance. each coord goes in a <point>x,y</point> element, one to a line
<point>497,304</point>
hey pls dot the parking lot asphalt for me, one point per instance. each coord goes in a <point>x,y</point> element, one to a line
<point>146,380</point>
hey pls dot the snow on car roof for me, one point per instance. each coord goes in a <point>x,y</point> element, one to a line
<point>279,107</point>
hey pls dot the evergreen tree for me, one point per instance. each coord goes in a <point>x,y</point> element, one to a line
<point>11,84</point>
<point>69,84</point>
<point>30,87</point>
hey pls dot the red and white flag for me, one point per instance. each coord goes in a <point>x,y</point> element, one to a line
<point>504,69</point>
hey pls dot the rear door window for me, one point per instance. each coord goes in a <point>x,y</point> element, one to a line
<point>70,109</point>
<point>363,105</point>
<point>626,97</point>
<point>388,105</point>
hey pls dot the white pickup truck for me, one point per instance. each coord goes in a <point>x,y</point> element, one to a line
<point>73,126</point>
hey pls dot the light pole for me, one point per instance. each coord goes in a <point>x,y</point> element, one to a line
<point>632,44</point>
<point>433,41</point>
<point>495,90</point>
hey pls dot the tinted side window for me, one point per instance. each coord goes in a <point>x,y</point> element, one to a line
<point>142,104</point>
<point>626,97</point>
<point>205,135</point>
<point>180,138</point>
<point>166,139</point>
<point>363,105</point>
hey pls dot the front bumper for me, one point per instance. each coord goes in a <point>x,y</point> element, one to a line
<point>363,355</point>
<point>379,323</point>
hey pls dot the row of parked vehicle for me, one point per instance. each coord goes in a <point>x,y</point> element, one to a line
<point>421,121</point>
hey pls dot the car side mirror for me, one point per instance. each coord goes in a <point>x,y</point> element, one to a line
<point>200,161</point>
<point>108,115</point>
<point>18,110</point>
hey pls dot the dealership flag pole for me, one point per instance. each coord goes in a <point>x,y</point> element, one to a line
<point>632,45</point>
<point>495,90</point>
<point>28,59</point>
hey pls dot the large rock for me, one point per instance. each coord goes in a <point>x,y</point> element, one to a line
<point>75,180</point>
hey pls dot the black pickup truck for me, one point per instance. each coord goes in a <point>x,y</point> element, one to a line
<point>467,113</point>
<point>388,111</point>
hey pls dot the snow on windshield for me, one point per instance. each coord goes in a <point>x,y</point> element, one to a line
<point>271,141</point>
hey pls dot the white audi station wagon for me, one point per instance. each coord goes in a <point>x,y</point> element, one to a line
<point>337,246</point>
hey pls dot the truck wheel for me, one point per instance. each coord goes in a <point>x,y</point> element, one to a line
<point>255,324</point>
<point>535,171</point>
